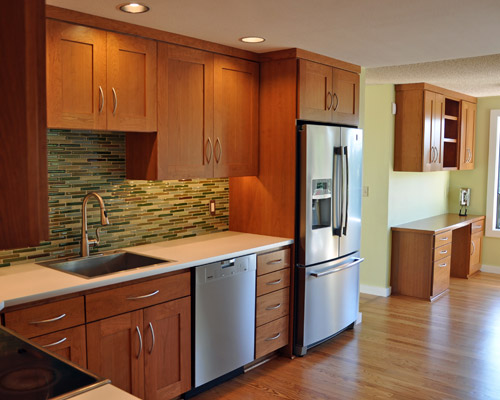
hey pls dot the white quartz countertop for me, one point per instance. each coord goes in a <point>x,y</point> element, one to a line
<point>28,282</point>
<point>107,392</point>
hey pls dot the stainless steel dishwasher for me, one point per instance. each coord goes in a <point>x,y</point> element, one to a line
<point>224,317</point>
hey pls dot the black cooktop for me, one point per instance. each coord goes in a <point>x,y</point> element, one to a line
<point>28,372</point>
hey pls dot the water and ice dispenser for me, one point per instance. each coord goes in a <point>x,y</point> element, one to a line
<point>321,203</point>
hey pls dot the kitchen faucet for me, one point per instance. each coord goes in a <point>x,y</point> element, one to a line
<point>84,247</point>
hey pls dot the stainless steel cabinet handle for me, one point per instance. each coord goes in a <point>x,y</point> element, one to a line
<point>330,103</point>
<point>443,252</point>
<point>209,141</point>
<point>338,102</point>
<point>477,226</point>
<point>217,142</point>
<point>443,265</point>
<point>144,296</point>
<point>101,106</point>
<point>115,101</point>
<point>274,337</point>
<point>473,248</point>
<point>273,307</point>
<point>276,282</point>
<point>55,343</point>
<point>45,321</point>
<point>140,341</point>
<point>337,269</point>
<point>152,338</point>
<point>274,262</point>
<point>446,238</point>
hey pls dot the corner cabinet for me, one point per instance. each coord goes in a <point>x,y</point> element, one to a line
<point>99,80</point>
<point>434,129</point>
<point>327,94</point>
<point>208,108</point>
<point>24,207</point>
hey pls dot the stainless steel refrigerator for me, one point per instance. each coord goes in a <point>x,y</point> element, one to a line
<point>328,232</point>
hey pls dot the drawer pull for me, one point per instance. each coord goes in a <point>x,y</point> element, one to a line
<point>276,282</point>
<point>275,261</point>
<point>477,226</point>
<point>445,238</point>
<point>443,252</point>
<point>48,320</point>
<point>274,337</point>
<point>443,265</point>
<point>55,343</point>
<point>273,307</point>
<point>144,296</point>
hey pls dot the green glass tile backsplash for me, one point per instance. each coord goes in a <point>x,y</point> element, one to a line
<point>139,212</point>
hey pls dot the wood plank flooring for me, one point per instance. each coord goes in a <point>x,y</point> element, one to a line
<point>405,348</point>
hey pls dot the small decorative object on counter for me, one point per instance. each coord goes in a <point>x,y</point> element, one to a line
<point>464,201</point>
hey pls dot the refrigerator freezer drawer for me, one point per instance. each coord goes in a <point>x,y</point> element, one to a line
<point>330,301</point>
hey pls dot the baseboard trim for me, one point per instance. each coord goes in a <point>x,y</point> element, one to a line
<point>492,269</point>
<point>375,290</point>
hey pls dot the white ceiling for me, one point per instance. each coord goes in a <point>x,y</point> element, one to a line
<point>370,33</point>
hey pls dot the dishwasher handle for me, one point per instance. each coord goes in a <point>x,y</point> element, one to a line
<point>337,269</point>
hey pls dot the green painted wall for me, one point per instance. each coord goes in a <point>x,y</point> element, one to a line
<point>477,178</point>
<point>394,197</point>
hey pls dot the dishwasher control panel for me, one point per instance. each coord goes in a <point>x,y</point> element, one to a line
<point>226,268</point>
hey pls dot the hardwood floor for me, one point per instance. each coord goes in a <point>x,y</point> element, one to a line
<point>405,348</point>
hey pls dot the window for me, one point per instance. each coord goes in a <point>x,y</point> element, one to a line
<point>493,199</point>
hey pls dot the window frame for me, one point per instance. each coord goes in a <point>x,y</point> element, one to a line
<point>493,165</point>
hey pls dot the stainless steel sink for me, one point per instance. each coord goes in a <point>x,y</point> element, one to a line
<point>102,264</point>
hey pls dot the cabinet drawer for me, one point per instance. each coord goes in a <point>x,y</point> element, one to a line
<point>274,261</point>
<point>68,343</point>
<point>274,281</point>
<point>133,297</point>
<point>442,252</point>
<point>477,226</point>
<point>272,306</point>
<point>442,239</point>
<point>39,320</point>
<point>441,276</point>
<point>271,336</point>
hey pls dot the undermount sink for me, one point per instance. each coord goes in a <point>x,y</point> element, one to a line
<point>102,264</point>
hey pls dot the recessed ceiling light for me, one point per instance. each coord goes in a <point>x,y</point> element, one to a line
<point>133,8</point>
<point>252,39</point>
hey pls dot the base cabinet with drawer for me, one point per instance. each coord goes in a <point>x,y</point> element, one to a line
<point>147,351</point>
<point>273,302</point>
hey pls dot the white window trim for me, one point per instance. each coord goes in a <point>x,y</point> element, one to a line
<point>493,160</point>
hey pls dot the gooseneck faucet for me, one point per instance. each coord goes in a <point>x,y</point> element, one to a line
<point>84,247</point>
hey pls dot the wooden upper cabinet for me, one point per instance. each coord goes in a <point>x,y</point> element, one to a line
<point>468,135</point>
<point>434,129</point>
<point>99,80</point>
<point>76,76</point>
<point>236,117</point>
<point>185,112</point>
<point>327,94</point>
<point>131,78</point>
<point>23,128</point>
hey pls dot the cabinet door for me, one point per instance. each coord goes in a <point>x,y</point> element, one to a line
<point>433,131</point>
<point>167,329</point>
<point>236,107</point>
<point>315,92</point>
<point>115,350</point>
<point>185,113</point>
<point>475,252</point>
<point>131,78</point>
<point>68,343</point>
<point>345,107</point>
<point>467,135</point>
<point>76,76</point>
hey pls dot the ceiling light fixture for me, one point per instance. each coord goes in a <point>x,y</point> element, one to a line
<point>133,8</point>
<point>252,39</point>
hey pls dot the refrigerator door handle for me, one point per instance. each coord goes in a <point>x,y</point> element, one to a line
<point>346,190</point>
<point>338,199</point>
<point>337,269</point>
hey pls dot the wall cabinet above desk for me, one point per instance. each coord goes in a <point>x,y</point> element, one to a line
<point>434,129</point>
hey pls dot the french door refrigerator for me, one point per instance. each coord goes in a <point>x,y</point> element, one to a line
<point>328,232</point>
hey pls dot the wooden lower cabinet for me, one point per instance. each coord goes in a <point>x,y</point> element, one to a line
<point>68,343</point>
<point>145,352</point>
